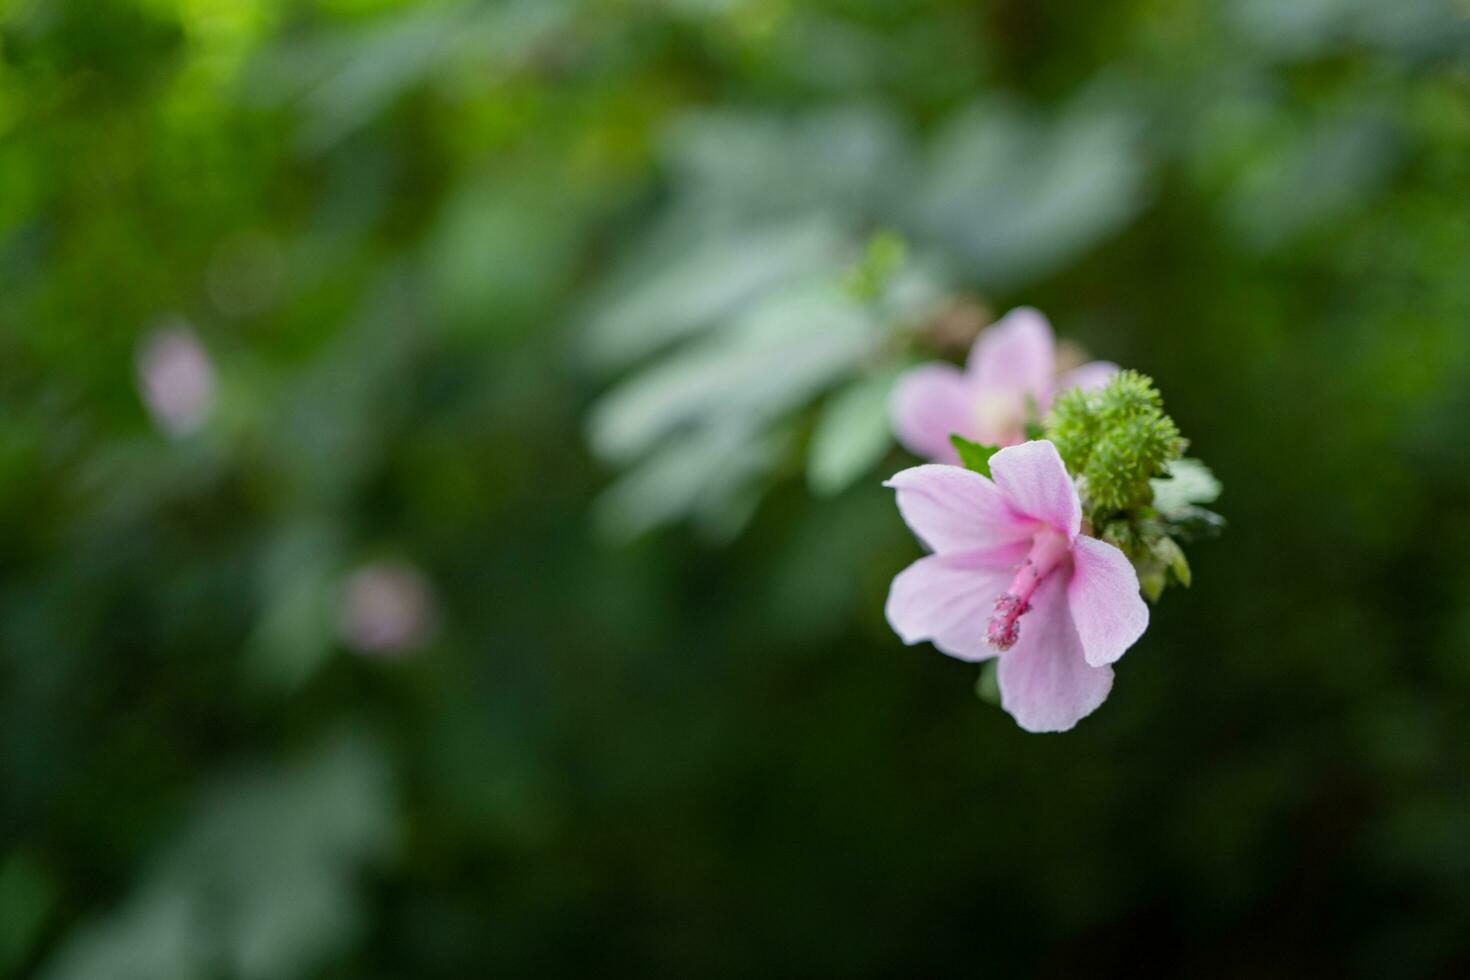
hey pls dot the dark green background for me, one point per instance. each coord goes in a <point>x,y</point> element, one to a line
<point>676,755</point>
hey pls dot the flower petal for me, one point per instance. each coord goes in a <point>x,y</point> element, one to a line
<point>1036,484</point>
<point>1045,682</point>
<point>1103,596</point>
<point>928,403</point>
<point>1093,374</point>
<point>955,509</point>
<point>1018,352</point>
<point>948,599</point>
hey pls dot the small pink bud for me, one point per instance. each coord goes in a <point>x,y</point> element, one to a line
<point>385,609</point>
<point>175,379</point>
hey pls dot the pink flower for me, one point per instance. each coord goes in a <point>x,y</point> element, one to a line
<point>1013,576</point>
<point>1013,361</point>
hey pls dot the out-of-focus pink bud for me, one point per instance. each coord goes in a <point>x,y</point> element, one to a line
<point>385,609</point>
<point>176,379</point>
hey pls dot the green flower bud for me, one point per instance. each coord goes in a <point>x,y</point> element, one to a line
<point>1115,439</point>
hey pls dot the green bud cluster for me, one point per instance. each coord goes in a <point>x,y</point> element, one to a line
<point>1115,440</point>
<point>1137,493</point>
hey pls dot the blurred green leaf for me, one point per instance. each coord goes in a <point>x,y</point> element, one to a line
<point>755,165</point>
<point>1015,195</point>
<point>28,896</point>
<point>987,684</point>
<point>695,289</point>
<point>882,256</point>
<point>852,434</point>
<point>706,473</point>
<point>502,250</point>
<point>770,360</point>
<point>260,883</point>
<point>294,637</point>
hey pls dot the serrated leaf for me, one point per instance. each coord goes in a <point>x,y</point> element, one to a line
<point>1189,482</point>
<point>973,455</point>
<point>852,434</point>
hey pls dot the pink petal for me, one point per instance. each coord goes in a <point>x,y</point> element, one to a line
<point>1036,484</point>
<point>954,509</point>
<point>947,599</point>
<point>1093,374</point>
<point>1045,681</point>
<point>929,403</point>
<point>1103,596</point>
<point>1017,352</point>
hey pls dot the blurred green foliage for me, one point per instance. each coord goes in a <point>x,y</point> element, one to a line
<point>487,286</point>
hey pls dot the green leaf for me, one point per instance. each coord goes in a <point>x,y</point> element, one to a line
<point>1033,427</point>
<point>28,893</point>
<point>987,685</point>
<point>852,434</point>
<point>1151,581</point>
<point>695,288</point>
<point>770,360</point>
<point>882,257</point>
<point>1195,524</point>
<point>973,455</point>
<point>1014,195</point>
<point>1169,552</point>
<point>262,878</point>
<point>1189,482</point>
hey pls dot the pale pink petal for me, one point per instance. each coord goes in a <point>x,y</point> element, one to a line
<point>1017,353</point>
<point>1036,485</point>
<point>1093,374</point>
<point>1045,681</point>
<point>947,599</point>
<point>1103,596</point>
<point>929,403</point>
<point>955,509</point>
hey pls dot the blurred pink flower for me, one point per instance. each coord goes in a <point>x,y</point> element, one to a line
<point>1012,576</point>
<point>1012,361</point>
<point>176,379</point>
<point>385,609</point>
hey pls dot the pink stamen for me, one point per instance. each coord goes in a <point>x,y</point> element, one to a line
<point>1048,548</point>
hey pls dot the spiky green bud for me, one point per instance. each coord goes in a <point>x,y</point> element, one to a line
<point>1115,439</point>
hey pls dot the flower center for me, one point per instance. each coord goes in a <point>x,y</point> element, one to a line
<point>1048,548</point>
<point>1000,416</point>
